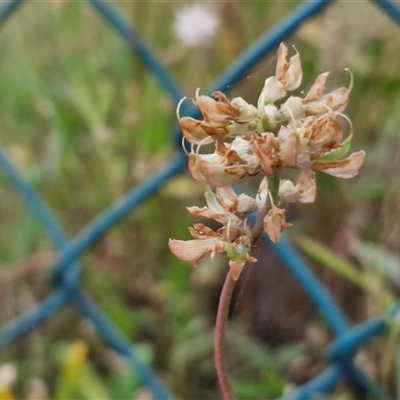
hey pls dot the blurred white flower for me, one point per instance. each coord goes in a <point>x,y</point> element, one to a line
<point>195,24</point>
<point>8,376</point>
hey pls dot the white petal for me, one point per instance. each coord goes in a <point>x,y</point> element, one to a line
<point>306,186</point>
<point>192,250</point>
<point>292,108</point>
<point>288,192</point>
<point>347,168</point>
<point>247,111</point>
<point>236,268</point>
<point>273,90</point>
<point>294,72</point>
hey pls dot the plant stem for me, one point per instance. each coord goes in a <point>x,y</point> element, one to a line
<point>219,338</point>
<point>222,317</point>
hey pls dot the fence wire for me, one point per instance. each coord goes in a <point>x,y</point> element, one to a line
<point>66,272</point>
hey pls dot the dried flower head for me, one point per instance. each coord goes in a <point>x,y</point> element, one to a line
<point>298,133</point>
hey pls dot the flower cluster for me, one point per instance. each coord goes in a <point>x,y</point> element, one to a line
<point>282,132</point>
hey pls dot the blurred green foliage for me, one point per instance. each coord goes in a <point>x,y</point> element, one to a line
<point>86,122</point>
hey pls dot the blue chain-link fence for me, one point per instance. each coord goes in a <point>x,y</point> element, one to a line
<point>66,273</point>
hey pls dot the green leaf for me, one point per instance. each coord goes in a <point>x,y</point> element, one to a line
<point>376,258</point>
<point>339,154</point>
<point>273,183</point>
<point>329,259</point>
<point>92,385</point>
<point>212,201</point>
<point>74,364</point>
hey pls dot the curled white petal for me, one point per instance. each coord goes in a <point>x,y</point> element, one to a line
<point>247,111</point>
<point>273,90</point>
<point>192,250</point>
<point>288,192</point>
<point>345,169</point>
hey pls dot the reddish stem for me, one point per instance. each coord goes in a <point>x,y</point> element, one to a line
<point>219,338</point>
<point>222,317</point>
